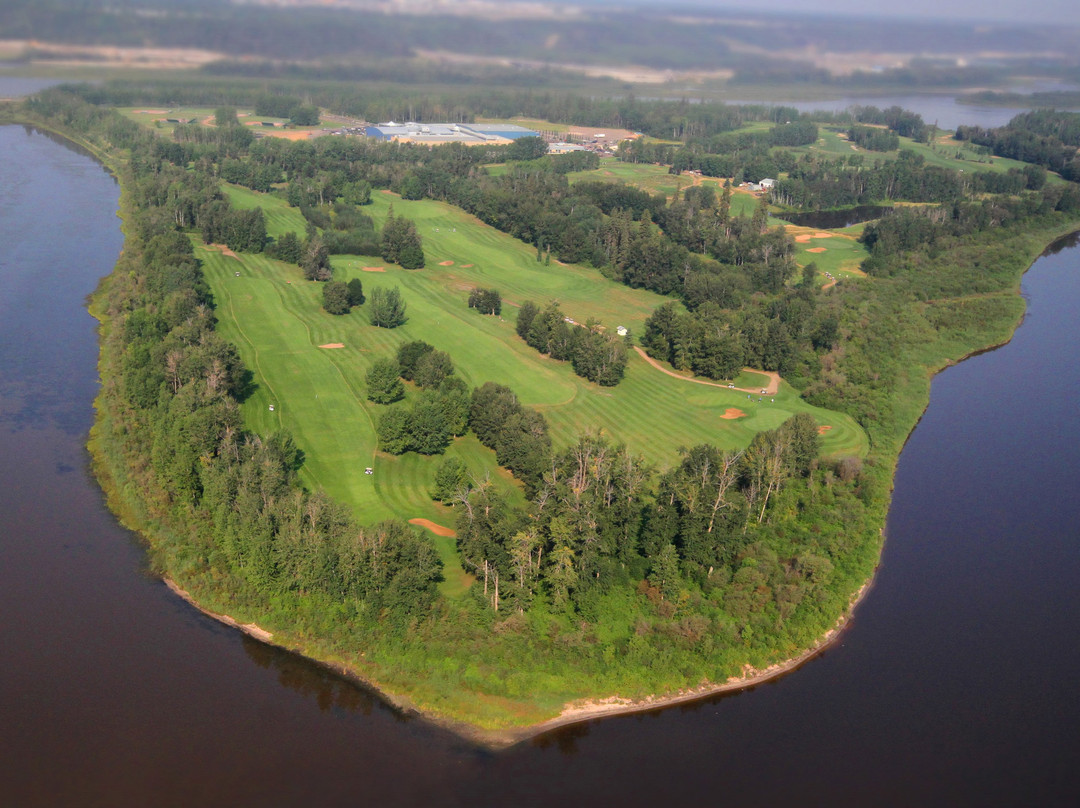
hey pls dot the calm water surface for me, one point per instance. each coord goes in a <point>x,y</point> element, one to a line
<point>954,686</point>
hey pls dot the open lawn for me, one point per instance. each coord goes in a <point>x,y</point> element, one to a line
<point>157,118</point>
<point>276,320</point>
<point>945,152</point>
<point>656,179</point>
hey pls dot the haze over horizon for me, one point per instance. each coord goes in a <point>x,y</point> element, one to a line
<point>1039,12</point>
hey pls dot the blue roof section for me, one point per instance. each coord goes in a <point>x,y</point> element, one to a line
<point>506,130</point>
<point>449,132</point>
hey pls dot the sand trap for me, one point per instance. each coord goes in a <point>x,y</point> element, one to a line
<point>333,345</point>
<point>821,430</point>
<point>446,263</point>
<point>805,237</point>
<point>438,530</point>
<point>731,413</point>
<point>816,250</point>
<point>373,269</point>
<point>466,266</point>
<point>823,235</point>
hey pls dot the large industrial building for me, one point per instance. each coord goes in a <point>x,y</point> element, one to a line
<point>471,134</point>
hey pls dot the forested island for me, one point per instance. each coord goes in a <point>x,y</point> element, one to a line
<point>477,321</point>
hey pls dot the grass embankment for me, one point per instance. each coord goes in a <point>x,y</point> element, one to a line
<point>276,320</point>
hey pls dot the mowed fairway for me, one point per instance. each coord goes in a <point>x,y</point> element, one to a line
<point>276,320</point>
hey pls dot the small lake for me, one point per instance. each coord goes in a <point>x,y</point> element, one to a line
<point>953,686</point>
<point>836,219</point>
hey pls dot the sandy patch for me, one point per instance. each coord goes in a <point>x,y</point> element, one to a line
<point>287,135</point>
<point>152,112</point>
<point>373,269</point>
<point>731,413</point>
<point>823,235</point>
<point>438,530</point>
<point>446,263</point>
<point>466,266</point>
<point>821,430</point>
<point>816,250</point>
<point>221,248</point>
<point>333,345</point>
<point>805,237</point>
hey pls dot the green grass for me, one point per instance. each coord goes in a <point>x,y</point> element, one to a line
<point>656,179</point>
<point>276,320</point>
<point>945,152</point>
<point>154,116</point>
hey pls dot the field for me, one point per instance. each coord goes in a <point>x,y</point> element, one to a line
<point>945,152</point>
<point>276,320</point>
<point>157,118</point>
<point>656,180</point>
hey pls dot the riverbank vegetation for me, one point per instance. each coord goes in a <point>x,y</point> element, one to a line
<point>632,551</point>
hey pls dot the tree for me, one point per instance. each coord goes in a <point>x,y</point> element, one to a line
<point>393,431</point>
<point>316,261</point>
<point>336,298</point>
<point>409,354</point>
<point>383,383</point>
<point>287,248</point>
<point>225,116</point>
<point>526,314</point>
<point>486,301</point>
<point>526,148</point>
<point>401,243</point>
<point>356,292</point>
<point>432,368</point>
<point>304,116</point>
<point>387,308</point>
<point>449,478</point>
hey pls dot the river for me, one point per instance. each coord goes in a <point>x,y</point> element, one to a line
<point>953,686</point>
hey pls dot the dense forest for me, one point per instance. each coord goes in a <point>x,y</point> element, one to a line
<point>612,575</point>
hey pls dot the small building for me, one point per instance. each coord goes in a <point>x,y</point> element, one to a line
<point>621,330</point>
<point>767,183</point>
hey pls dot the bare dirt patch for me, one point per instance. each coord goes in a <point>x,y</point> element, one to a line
<point>731,413</point>
<point>446,263</point>
<point>373,269</point>
<point>221,248</point>
<point>333,345</point>
<point>816,250</point>
<point>438,530</point>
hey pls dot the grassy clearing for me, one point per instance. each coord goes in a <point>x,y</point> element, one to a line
<point>276,319</point>
<point>945,152</point>
<point>156,118</point>
<point>656,180</point>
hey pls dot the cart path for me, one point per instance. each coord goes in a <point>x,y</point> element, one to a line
<point>771,390</point>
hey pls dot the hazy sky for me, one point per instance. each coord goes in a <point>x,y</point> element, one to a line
<point>1036,11</point>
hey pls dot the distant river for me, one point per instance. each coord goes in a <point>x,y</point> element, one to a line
<point>954,686</point>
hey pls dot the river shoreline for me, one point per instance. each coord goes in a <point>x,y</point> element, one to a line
<point>577,712</point>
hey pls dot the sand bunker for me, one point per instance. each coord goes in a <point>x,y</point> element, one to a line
<point>438,530</point>
<point>446,263</point>
<point>466,266</point>
<point>816,250</point>
<point>333,345</point>
<point>731,413</point>
<point>823,235</point>
<point>821,430</point>
<point>805,237</point>
<point>373,269</point>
